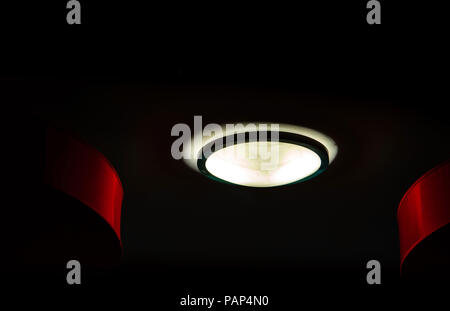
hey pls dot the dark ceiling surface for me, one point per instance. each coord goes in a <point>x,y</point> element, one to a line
<point>173,213</point>
<point>121,84</point>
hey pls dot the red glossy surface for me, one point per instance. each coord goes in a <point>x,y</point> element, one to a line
<point>81,171</point>
<point>424,209</point>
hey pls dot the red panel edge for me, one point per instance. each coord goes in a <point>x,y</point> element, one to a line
<point>84,173</point>
<point>424,208</point>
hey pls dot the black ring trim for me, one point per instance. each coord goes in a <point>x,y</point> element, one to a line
<point>284,137</point>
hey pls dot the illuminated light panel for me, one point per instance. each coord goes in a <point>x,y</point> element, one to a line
<point>293,163</point>
<point>302,153</point>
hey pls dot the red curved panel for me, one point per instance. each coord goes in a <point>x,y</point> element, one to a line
<point>82,172</point>
<point>424,208</point>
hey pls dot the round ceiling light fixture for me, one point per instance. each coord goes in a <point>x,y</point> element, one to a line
<point>261,154</point>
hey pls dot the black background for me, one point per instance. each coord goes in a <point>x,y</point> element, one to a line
<point>131,71</point>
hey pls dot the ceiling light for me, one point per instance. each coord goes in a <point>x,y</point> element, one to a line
<point>249,156</point>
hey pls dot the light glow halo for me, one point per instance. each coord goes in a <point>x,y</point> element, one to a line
<point>303,154</point>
